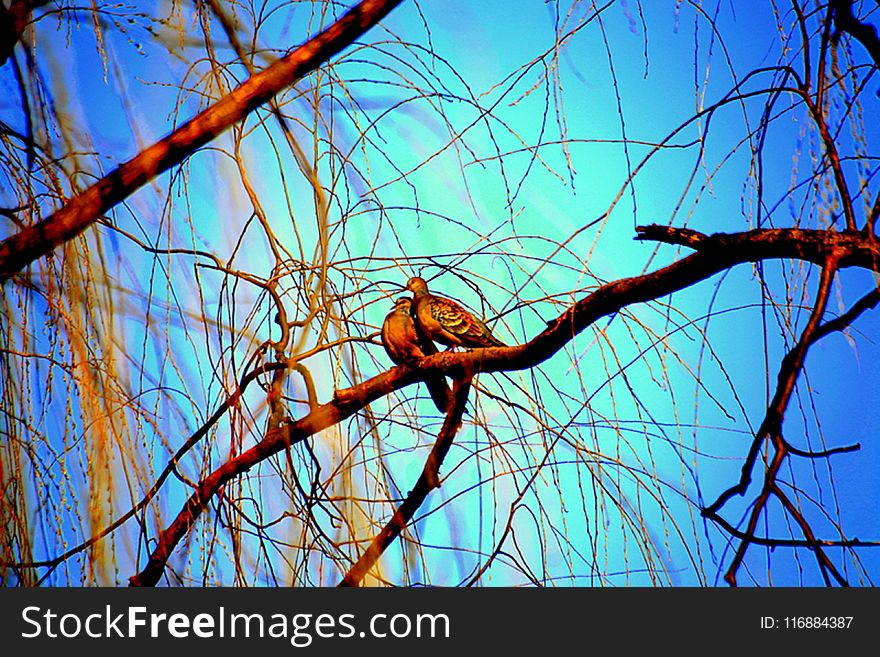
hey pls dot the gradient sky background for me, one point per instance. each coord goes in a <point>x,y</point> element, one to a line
<point>636,73</point>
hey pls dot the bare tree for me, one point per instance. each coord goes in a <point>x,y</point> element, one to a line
<point>193,387</point>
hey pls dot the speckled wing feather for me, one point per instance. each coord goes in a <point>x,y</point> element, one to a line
<point>459,322</point>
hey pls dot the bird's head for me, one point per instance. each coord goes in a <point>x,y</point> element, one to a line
<point>417,285</point>
<point>403,305</point>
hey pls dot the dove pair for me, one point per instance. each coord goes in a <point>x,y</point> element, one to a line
<point>410,330</point>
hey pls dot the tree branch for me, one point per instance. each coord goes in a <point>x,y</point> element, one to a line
<point>771,429</point>
<point>170,467</point>
<point>427,481</point>
<point>864,33</point>
<point>786,369</point>
<point>80,212</point>
<point>13,22</point>
<point>716,253</point>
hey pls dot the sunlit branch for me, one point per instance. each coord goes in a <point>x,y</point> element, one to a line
<point>170,468</point>
<point>715,253</point>
<point>80,212</point>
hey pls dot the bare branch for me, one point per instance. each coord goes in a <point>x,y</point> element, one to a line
<point>717,253</point>
<point>771,430</point>
<point>83,210</point>
<point>427,481</point>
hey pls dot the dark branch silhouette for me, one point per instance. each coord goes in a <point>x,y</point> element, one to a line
<point>13,21</point>
<point>864,33</point>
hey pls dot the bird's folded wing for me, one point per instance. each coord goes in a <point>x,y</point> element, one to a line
<point>452,316</point>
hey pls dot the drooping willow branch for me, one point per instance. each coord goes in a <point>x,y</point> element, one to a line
<point>170,468</point>
<point>714,254</point>
<point>33,242</point>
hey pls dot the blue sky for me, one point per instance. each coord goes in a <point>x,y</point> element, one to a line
<point>463,178</point>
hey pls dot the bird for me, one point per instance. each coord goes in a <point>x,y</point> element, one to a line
<point>403,343</point>
<point>446,321</point>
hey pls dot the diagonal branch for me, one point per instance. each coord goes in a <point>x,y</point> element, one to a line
<point>427,481</point>
<point>783,448</point>
<point>170,468</point>
<point>320,418</point>
<point>867,302</point>
<point>715,253</point>
<point>825,564</point>
<point>80,212</point>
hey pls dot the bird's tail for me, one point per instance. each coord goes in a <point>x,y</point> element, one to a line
<point>495,341</point>
<point>440,393</point>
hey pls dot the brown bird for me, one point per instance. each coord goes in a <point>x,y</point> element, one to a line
<point>446,321</point>
<point>403,343</point>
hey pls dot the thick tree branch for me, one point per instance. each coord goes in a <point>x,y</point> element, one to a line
<point>427,481</point>
<point>83,210</point>
<point>715,253</point>
<point>864,33</point>
<point>13,22</point>
<point>851,247</point>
